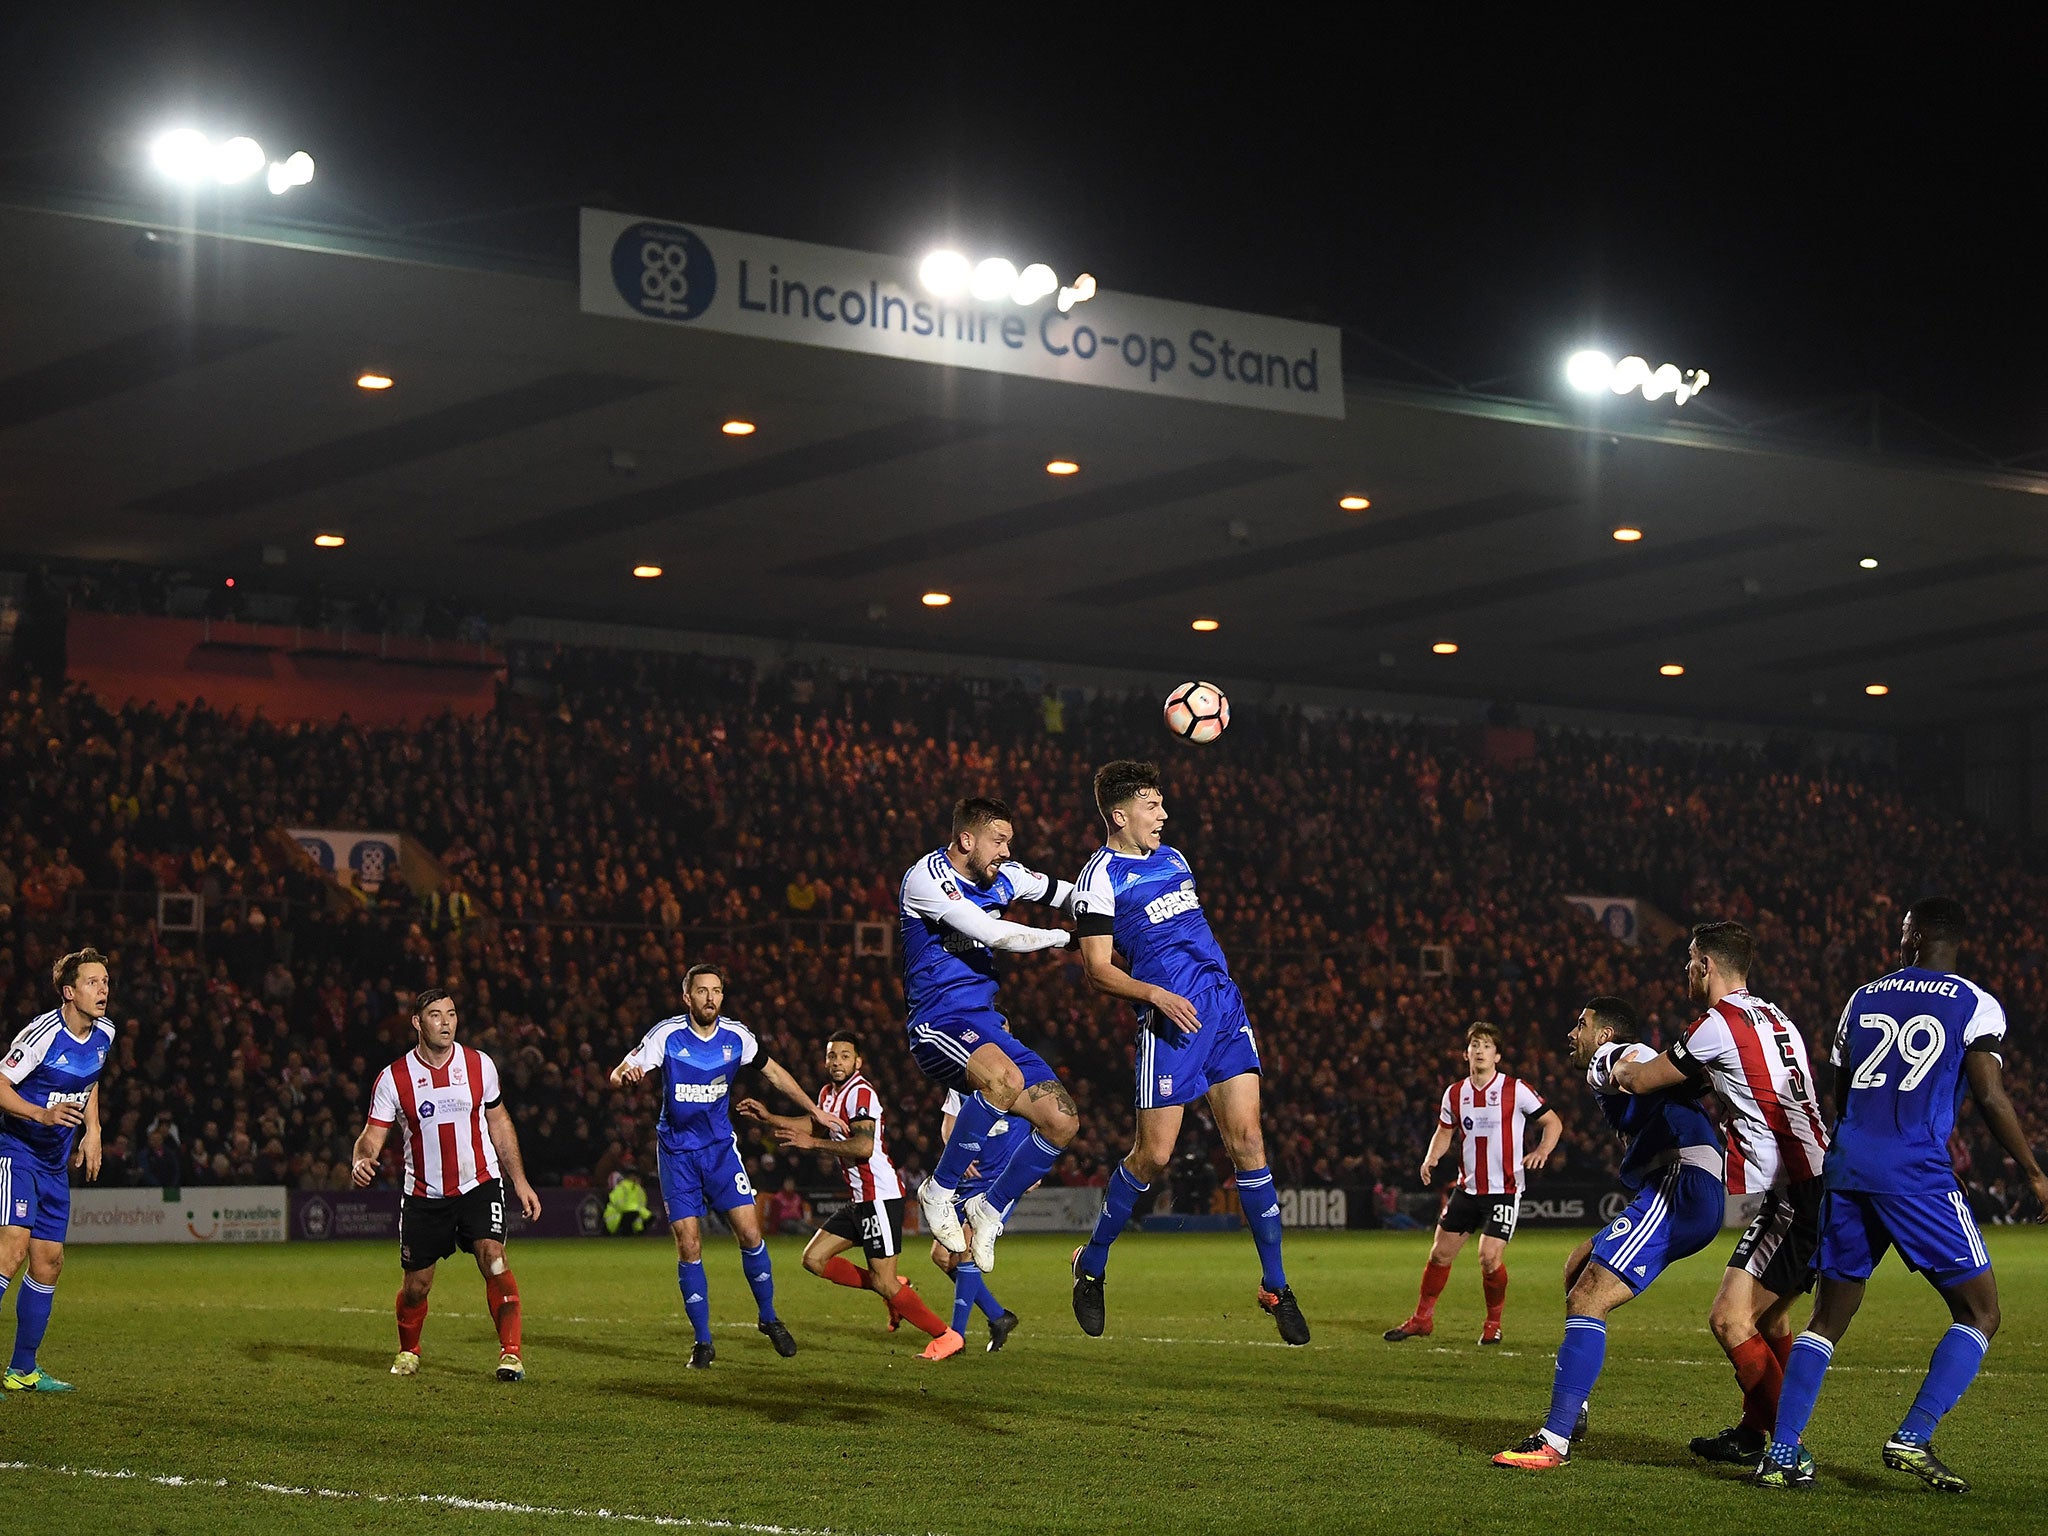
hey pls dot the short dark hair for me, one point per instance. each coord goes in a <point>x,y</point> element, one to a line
<point>65,972</point>
<point>1728,943</point>
<point>1939,919</point>
<point>429,996</point>
<point>1483,1029</point>
<point>977,811</point>
<point>1618,1016</point>
<point>844,1037</point>
<point>1119,782</point>
<point>704,969</point>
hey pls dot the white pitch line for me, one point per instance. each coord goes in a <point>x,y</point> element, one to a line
<point>437,1500</point>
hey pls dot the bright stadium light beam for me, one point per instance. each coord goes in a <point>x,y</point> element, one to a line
<point>1593,372</point>
<point>182,154</point>
<point>945,273</point>
<point>237,160</point>
<point>994,278</point>
<point>296,170</point>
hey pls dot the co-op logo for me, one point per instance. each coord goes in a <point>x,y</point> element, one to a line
<point>664,270</point>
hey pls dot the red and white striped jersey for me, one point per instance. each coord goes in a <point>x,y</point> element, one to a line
<point>1492,1119</point>
<point>856,1099</point>
<point>440,1111</point>
<point>1752,1056</point>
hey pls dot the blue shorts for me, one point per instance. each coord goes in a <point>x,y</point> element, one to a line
<point>1670,1219</point>
<point>1176,1068</point>
<point>710,1176</point>
<point>1934,1233</point>
<point>941,1046</point>
<point>33,1194</point>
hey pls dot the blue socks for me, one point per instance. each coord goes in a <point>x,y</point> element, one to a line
<point>1949,1374</point>
<point>31,1321</point>
<point>1119,1199</point>
<point>1579,1359</point>
<point>760,1280</point>
<point>696,1299</point>
<point>1028,1164</point>
<point>1804,1368</point>
<point>970,1131</point>
<point>970,1290</point>
<point>1261,1204</point>
<point>966,1291</point>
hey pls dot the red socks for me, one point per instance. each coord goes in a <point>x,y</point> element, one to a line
<point>840,1272</point>
<point>1435,1277</point>
<point>410,1321</point>
<point>907,1304</point>
<point>1496,1294</point>
<point>502,1292</point>
<point>1761,1377</point>
<point>1781,1346</point>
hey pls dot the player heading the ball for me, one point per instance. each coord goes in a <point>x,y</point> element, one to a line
<point>1194,1040</point>
<point>948,906</point>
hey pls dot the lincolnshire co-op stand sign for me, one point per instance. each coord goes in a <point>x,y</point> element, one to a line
<point>822,296</point>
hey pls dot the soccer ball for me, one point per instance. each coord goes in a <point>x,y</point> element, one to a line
<point>1197,712</point>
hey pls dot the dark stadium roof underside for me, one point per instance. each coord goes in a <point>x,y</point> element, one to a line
<point>187,402</point>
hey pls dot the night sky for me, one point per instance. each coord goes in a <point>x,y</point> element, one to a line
<point>1807,214</point>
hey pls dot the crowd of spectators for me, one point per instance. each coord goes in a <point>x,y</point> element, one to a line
<point>621,816</point>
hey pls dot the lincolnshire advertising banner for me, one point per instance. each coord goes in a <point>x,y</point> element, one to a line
<point>371,856</point>
<point>1617,914</point>
<point>223,1213</point>
<point>319,1216</point>
<point>697,277</point>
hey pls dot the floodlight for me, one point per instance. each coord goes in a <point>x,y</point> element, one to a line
<point>994,278</point>
<point>944,273</point>
<point>1034,283</point>
<point>237,160</point>
<point>1589,372</point>
<point>181,154</point>
<point>293,171</point>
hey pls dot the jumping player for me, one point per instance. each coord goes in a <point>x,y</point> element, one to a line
<point>49,1098</point>
<point>1750,1054</point>
<point>1493,1110</point>
<point>872,1218</point>
<point>949,903</point>
<point>460,1147</point>
<point>1194,1040</point>
<point>1908,1042</point>
<point>698,1054</point>
<point>970,1286</point>
<point>1673,1165</point>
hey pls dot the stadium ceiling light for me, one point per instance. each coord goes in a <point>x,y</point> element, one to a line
<point>1590,372</point>
<point>187,156</point>
<point>947,274</point>
<point>1868,562</point>
<point>1671,669</point>
<point>373,381</point>
<point>1354,503</point>
<point>1628,535</point>
<point>1062,467</point>
<point>936,599</point>
<point>1205,626</point>
<point>329,540</point>
<point>1876,690</point>
<point>647,572</point>
<point>1445,648</point>
<point>737,428</point>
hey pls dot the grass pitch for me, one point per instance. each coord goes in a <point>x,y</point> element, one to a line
<point>244,1389</point>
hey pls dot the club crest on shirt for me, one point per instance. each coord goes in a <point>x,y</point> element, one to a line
<point>728,1053</point>
<point>969,1036</point>
<point>426,1109</point>
<point>1166,1085</point>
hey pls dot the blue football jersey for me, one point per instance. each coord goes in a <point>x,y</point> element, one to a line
<point>1656,1125</point>
<point>1157,918</point>
<point>47,1064</point>
<point>696,1078</point>
<point>946,974</point>
<point>1899,1047</point>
